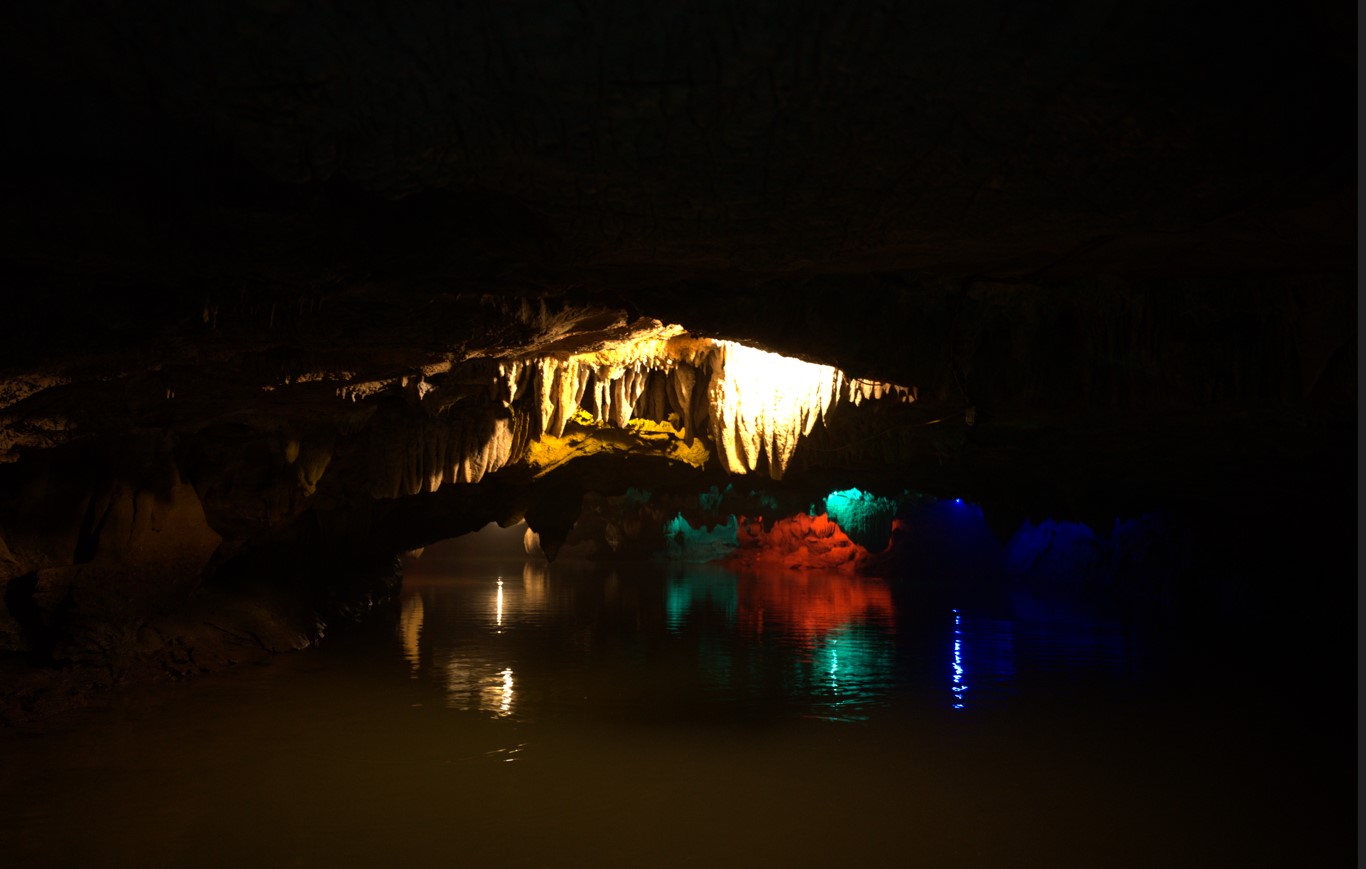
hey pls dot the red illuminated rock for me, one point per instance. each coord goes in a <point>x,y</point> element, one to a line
<point>798,542</point>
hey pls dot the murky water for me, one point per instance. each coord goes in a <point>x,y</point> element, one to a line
<point>695,716</point>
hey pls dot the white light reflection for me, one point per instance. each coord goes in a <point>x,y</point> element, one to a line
<point>470,687</point>
<point>500,602</point>
<point>959,684</point>
<point>505,707</point>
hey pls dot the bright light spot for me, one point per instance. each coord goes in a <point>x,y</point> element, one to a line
<point>500,602</point>
<point>762,403</point>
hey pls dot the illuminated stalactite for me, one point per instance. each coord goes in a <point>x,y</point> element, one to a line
<point>435,452</point>
<point>754,405</point>
<point>763,403</point>
<point>686,399</point>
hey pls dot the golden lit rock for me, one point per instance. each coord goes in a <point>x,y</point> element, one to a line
<point>756,406</point>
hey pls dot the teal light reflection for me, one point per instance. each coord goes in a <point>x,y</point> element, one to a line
<point>821,643</point>
<point>697,588</point>
<point>851,671</point>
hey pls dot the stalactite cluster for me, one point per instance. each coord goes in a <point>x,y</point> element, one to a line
<point>755,406</point>
<point>751,407</point>
<point>436,452</point>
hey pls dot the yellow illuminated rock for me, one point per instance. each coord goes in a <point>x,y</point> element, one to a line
<point>587,437</point>
<point>754,405</point>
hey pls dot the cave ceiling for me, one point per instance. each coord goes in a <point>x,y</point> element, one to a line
<point>272,214</point>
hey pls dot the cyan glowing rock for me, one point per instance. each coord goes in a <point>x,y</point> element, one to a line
<point>866,518</point>
<point>685,543</point>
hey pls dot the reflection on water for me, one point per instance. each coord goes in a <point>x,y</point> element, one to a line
<point>826,635</point>
<point>701,586</point>
<point>808,605</point>
<point>410,629</point>
<point>534,575</point>
<point>470,687</point>
<point>698,717</point>
<point>960,685</point>
<point>689,640</point>
<point>852,669</point>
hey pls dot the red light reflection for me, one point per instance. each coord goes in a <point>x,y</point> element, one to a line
<point>811,604</point>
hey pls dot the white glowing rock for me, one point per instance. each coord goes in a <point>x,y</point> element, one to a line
<point>754,403</point>
<point>763,403</point>
<point>545,380</point>
<point>566,388</point>
<point>509,377</point>
<point>581,377</point>
<point>682,379</point>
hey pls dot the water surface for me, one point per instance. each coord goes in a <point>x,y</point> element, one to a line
<point>511,714</point>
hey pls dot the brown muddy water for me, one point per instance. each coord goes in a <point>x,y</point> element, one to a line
<point>512,714</point>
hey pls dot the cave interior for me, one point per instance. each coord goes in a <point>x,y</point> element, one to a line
<point>293,289</point>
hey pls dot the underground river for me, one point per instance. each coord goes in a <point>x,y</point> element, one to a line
<point>515,713</point>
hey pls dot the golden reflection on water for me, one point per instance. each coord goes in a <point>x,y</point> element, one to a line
<point>473,681</point>
<point>410,630</point>
<point>471,687</point>
<point>499,603</point>
<point>505,707</point>
<point>534,583</point>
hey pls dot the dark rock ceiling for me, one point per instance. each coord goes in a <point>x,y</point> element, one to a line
<point>618,144</point>
<point>310,179</point>
<point>353,165</point>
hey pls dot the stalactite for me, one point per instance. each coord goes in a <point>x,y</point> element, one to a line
<point>763,404</point>
<point>755,406</point>
<point>582,375</point>
<point>617,410</point>
<point>434,459</point>
<point>681,381</point>
<point>545,391</point>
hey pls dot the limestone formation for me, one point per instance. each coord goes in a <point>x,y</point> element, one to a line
<point>757,405</point>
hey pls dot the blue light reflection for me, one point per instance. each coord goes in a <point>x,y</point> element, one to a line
<point>960,685</point>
